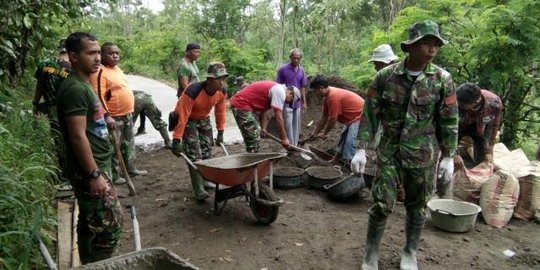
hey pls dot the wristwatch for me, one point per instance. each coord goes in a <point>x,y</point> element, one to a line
<point>94,174</point>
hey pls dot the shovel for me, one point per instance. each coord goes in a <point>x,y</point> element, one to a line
<point>296,148</point>
<point>116,143</point>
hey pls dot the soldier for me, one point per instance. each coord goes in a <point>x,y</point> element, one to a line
<point>260,97</point>
<point>110,83</point>
<point>188,72</point>
<point>50,74</point>
<point>145,104</point>
<point>415,102</point>
<point>479,119</point>
<point>339,105</point>
<point>88,153</point>
<point>193,132</point>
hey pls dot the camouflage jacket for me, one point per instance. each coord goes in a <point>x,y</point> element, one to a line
<point>414,115</point>
<point>50,74</point>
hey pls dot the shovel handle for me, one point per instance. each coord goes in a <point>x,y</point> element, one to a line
<point>118,152</point>
<point>224,149</point>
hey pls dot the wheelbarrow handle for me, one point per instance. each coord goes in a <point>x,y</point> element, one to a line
<point>224,149</point>
<point>189,162</point>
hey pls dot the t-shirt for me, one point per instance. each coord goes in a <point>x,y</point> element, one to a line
<point>260,96</point>
<point>51,74</point>
<point>343,105</point>
<point>196,104</point>
<point>76,98</point>
<point>114,91</point>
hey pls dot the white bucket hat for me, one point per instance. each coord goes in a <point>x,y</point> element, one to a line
<point>383,53</point>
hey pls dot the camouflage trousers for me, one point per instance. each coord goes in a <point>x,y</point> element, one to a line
<point>249,126</point>
<point>145,107</point>
<point>417,183</point>
<point>100,219</point>
<point>124,133</point>
<point>198,139</point>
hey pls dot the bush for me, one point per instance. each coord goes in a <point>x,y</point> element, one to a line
<point>26,170</point>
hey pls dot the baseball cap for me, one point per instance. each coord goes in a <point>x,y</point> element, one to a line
<point>421,29</point>
<point>383,53</point>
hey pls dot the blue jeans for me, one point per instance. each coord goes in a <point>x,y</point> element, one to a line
<point>346,145</point>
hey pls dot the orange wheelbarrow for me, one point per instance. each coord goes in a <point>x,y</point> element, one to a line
<point>241,174</point>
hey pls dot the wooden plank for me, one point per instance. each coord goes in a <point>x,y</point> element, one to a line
<point>75,259</point>
<point>64,235</point>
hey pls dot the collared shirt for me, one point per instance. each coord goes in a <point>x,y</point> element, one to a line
<point>414,114</point>
<point>187,69</point>
<point>289,76</point>
<point>485,122</point>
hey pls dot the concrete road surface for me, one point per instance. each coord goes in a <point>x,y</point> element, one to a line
<point>165,99</point>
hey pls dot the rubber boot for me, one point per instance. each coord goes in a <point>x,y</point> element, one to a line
<point>197,184</point>
<point>413,229</point>
<point>132,171</point>
<point>376,225</point>
<point>165,135</point>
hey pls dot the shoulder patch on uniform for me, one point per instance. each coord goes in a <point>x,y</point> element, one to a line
<point>450,100</point>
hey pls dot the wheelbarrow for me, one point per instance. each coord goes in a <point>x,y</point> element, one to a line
<point>240,174</point>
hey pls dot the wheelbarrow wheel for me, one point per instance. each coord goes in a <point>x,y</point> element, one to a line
<point>263,213</point>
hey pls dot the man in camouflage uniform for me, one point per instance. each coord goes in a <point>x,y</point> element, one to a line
<point>50,74</point>
<point>415,103</point>
<point>88,153</point>
<point>188,72</point>
<point>192,134</point>
<point>145,104</point>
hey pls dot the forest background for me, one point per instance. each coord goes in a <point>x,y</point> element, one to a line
<point>495,43</point>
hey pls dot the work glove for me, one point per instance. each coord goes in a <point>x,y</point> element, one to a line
<point>358,163</point>
<point>446,170</point>
<point>219,138</point>
<point>177,147</point>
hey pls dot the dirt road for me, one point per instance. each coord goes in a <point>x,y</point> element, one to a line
<point>310,232</point>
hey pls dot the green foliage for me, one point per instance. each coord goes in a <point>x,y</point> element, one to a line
<point>25,197</point>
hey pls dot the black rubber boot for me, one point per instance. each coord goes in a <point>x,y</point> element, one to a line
<point>197,184</point>
<point>413,229</point>
<point>376,225</point>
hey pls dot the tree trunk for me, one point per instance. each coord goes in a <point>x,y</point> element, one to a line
<point>283,10</point>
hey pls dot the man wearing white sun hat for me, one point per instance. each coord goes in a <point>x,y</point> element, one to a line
<point>383,56</point>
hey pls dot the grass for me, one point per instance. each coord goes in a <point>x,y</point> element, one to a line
<point>27,169</point>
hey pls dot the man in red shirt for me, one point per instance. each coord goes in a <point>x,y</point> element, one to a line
<point>479,119</point>
<point>193,131</point>
<point>261,96</point>
<point>339,105</point>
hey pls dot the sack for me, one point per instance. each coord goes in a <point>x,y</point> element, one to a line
<point>173,120</point>
<point>528,205</point>
<point>498,198</point>
<point>515,162</point>
<point>468,182</point>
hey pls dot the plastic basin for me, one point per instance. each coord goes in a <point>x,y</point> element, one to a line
<point>453,216</point>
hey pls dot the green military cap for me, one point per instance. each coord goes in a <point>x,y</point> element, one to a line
<point>421,29</point>
<point>216,70</point>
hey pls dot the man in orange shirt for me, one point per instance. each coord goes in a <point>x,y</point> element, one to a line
<point>341,106</point>
<point>113,90</point>
<point>192,134</point>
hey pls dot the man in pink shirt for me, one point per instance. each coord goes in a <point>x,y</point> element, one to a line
<point>339,105</point>
<point>260,97</point>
